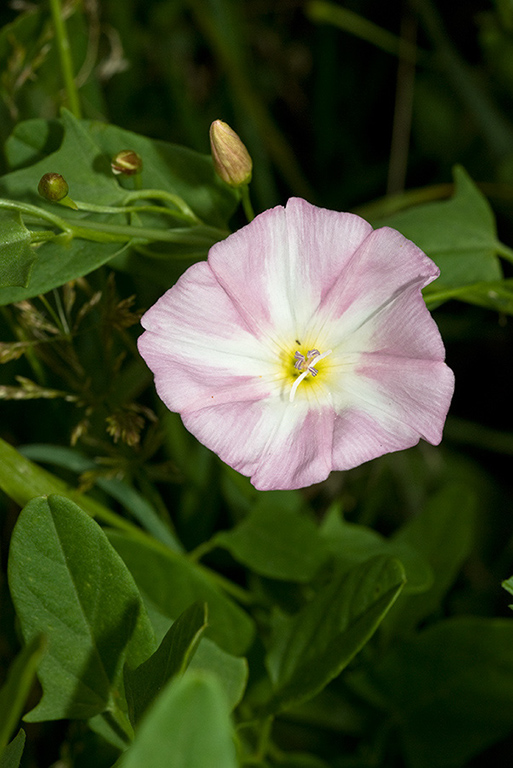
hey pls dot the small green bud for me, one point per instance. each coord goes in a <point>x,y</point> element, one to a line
<point>232,160</point>
<point>127,162</point>
<point>53,187</point>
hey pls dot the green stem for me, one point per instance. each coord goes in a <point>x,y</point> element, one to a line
<point>355,24</point>
<point>504,250</point>
<point>119,723</point>
<point>61,36</point>
<point>79,205</point>
<point>55,317</point>
<point>33,210</point>
<point>202,549</point>
<point>246,203</point>
<point>41,236</point>
<point>161,194</point>
<point>119,233</point>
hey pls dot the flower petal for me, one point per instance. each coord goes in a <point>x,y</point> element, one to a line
<point>401,328</point>
<point>384,266</point>
<point>199,347</point>
<point>278,445</point>
<point>387,404</point>
<point>279,267</point>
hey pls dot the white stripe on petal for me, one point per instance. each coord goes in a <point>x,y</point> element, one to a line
<point>278,445</point>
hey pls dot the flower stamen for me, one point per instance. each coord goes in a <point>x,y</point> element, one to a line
<point>306,365</point>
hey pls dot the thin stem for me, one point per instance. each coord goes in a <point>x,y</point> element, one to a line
<point>33,210</point>
<point>41,236</point>
<point>117,233</point>
<point>79,205</point>
<point>401,128</point>
<point>120,724</point>
<point>53,314</point>
<point>265,733</point>
<point>62,313</point>
<point>202,549</point>
<point>246,203</point>
<point>504,250</point>
<point>161,194</point>
<point>61,36</point>
<point>466,87</point>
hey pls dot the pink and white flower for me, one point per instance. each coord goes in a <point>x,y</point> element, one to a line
<point>303,345</point>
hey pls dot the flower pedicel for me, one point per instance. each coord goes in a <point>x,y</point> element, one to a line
<point>303,345</point>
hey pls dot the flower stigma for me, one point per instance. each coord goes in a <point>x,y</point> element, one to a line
<point>306,366</point>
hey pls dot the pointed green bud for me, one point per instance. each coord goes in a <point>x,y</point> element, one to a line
<point>127,162</point>
<point>53,187</point>
<point>232,160</point>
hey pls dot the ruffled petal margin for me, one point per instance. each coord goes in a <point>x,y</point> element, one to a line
<point>278,445</point>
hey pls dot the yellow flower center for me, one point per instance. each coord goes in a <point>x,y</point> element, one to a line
<point>302,366</point>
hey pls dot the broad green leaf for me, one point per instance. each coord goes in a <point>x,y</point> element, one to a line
<point>173,582</point>
<point>450,689</point>
<point>280,543</point>
<point>16,255</point>
<point>68,582</point>
<point>231,671</point>
<point>443,534</point>
<point>14,692</point>
<point>459,235</point>
<point>10,756</point>
<point>311,648</point>
<point>84,160</point>
<point>171,659</point>
<point>33,140</point>
<point>188,726</point>
<point>352,544</point>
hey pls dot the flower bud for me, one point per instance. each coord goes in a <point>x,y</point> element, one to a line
<point>53,187</point>
<point>127,162</point>
<point>232,160</point>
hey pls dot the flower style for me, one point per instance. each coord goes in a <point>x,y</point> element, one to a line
<point>303,345</point>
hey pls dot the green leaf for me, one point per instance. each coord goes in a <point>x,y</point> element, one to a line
<point>277,542</point>
<point>169,660</point>
<point>459,235</point>
<point>172,582</point>
<point>61,573</point>
<point>314,646</point>
<point>84,160</point>
<point>450,689</point>
<point>16,255</point>
<point>352,544</point>
<point>16,688</point>
<point>10,757</point>
<point>231,671</point>
<point>508,585</point>
<point>443,534</point>
<point>188,726</point>
<point>33,140</point>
